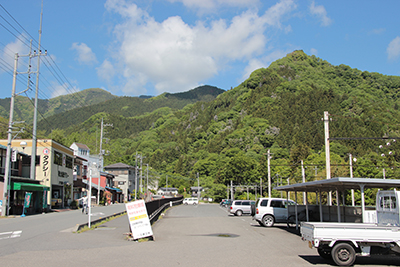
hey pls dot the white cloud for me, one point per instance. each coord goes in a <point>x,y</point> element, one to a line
<point>393,49</point>
<point>9,51</point>
<point>62,89</point>
<point>264,62</point>
<point>321,13</point>
<point>175,56</point>
<point>106,71</point>
<point>85,54</point>
<point>314,51</point>
<point>377,31</point>
<point>210,4</point>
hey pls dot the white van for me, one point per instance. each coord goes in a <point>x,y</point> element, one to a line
<point>268,211</point>
<point>190,201</point>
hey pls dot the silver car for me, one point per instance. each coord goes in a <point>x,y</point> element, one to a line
<point>240,207</point>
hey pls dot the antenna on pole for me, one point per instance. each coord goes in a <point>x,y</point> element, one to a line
<point>34,137</point>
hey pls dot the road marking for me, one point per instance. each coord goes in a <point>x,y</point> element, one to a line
<point>96,214</point>
<point>7,235</point>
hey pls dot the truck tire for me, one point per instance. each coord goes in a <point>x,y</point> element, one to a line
<point>268,220</point>
<point>239,213</point>
<point>253,209</point>
<point>326,254</point>
<point>343,254</point>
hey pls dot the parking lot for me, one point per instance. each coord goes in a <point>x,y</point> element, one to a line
<point>186,235</point>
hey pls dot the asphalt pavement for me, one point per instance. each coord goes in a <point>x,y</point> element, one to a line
<point>187,235</point>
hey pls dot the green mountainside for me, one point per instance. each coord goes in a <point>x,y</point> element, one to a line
<point>279,108</point>
<point>127,107</point>
<point>23,110</point>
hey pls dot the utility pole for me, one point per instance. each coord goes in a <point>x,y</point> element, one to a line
<point>269,172</point>
<point>136,176</point>
<point>101,153</point>
<point>11,122</point>
<point>34,137</point>
<point>166,183</point>
<point>147,186</point>
<point>4,210</point>
<point>304,180</point>
<point>231,190</point>
<point>198,187</point>
<point>327,153</point>
<point>141,173</point>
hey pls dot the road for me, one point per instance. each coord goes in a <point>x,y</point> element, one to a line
<point>202,235</point>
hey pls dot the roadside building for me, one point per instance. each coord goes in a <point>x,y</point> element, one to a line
<point>54,170</point>
<point>125,178</point>
<point>196,190</point>
<point>19,184</point>
<point>170,191</point>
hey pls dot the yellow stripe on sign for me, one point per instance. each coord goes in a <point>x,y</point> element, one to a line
<point>139,217</point>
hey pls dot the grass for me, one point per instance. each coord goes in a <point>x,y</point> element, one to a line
<point>94,226</point>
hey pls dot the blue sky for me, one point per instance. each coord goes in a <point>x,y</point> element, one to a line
<point>147,47</point>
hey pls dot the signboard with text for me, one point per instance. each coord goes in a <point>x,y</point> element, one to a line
<point>138,219</point>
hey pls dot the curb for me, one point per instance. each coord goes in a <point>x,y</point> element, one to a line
<point>78,227</point>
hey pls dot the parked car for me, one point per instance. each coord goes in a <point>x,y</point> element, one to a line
<point>268,211</point>
<point>190,201</point>
<point>239,207</point>
<point>225,202</point>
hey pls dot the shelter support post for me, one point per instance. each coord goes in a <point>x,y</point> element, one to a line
<point>307,215</point>
<point>338,205</point>
<point>321,218</point>
<point>362,202</point>
<point>295,210</point>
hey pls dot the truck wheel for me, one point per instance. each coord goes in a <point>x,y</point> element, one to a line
<point>268,220</point>
<point>325,253</point>
<point>343,254</point>
<point>239,213</point>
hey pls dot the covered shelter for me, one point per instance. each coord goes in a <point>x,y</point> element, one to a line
<point>339,184</point>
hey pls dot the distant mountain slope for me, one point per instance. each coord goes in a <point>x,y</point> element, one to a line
<point>130,107</point>
<point>23,108</point>
<point>277,109</point>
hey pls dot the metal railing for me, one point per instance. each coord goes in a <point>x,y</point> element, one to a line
<point>157,206</point>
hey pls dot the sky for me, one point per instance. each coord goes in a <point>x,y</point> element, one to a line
<point>148,47</point>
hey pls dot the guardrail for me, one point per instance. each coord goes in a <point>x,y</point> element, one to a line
<point>157,206</point>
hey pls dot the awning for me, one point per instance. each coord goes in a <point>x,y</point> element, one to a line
<point>114,189</point>
<point>28,187</point>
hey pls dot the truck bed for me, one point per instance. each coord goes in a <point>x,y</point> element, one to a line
<point>358,232</point>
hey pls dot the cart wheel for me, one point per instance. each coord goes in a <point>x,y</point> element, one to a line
<point>291,221</point>
<point>343,254</point>
<point>326,254</point>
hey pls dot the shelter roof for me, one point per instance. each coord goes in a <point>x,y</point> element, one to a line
<point>340,183</point>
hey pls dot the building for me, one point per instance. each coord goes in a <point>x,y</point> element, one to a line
<point>83,151</point>
<point>20,183</point>
<point>196,190</point>
<point>54,169</point>
<point>125,178</point>
<point>167,191</point>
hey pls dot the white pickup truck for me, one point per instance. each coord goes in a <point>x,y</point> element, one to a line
<point>342,242</point>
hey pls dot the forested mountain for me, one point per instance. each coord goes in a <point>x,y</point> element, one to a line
<point>128,107</point>
<point>23,109</point>
<point>279,108</point>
